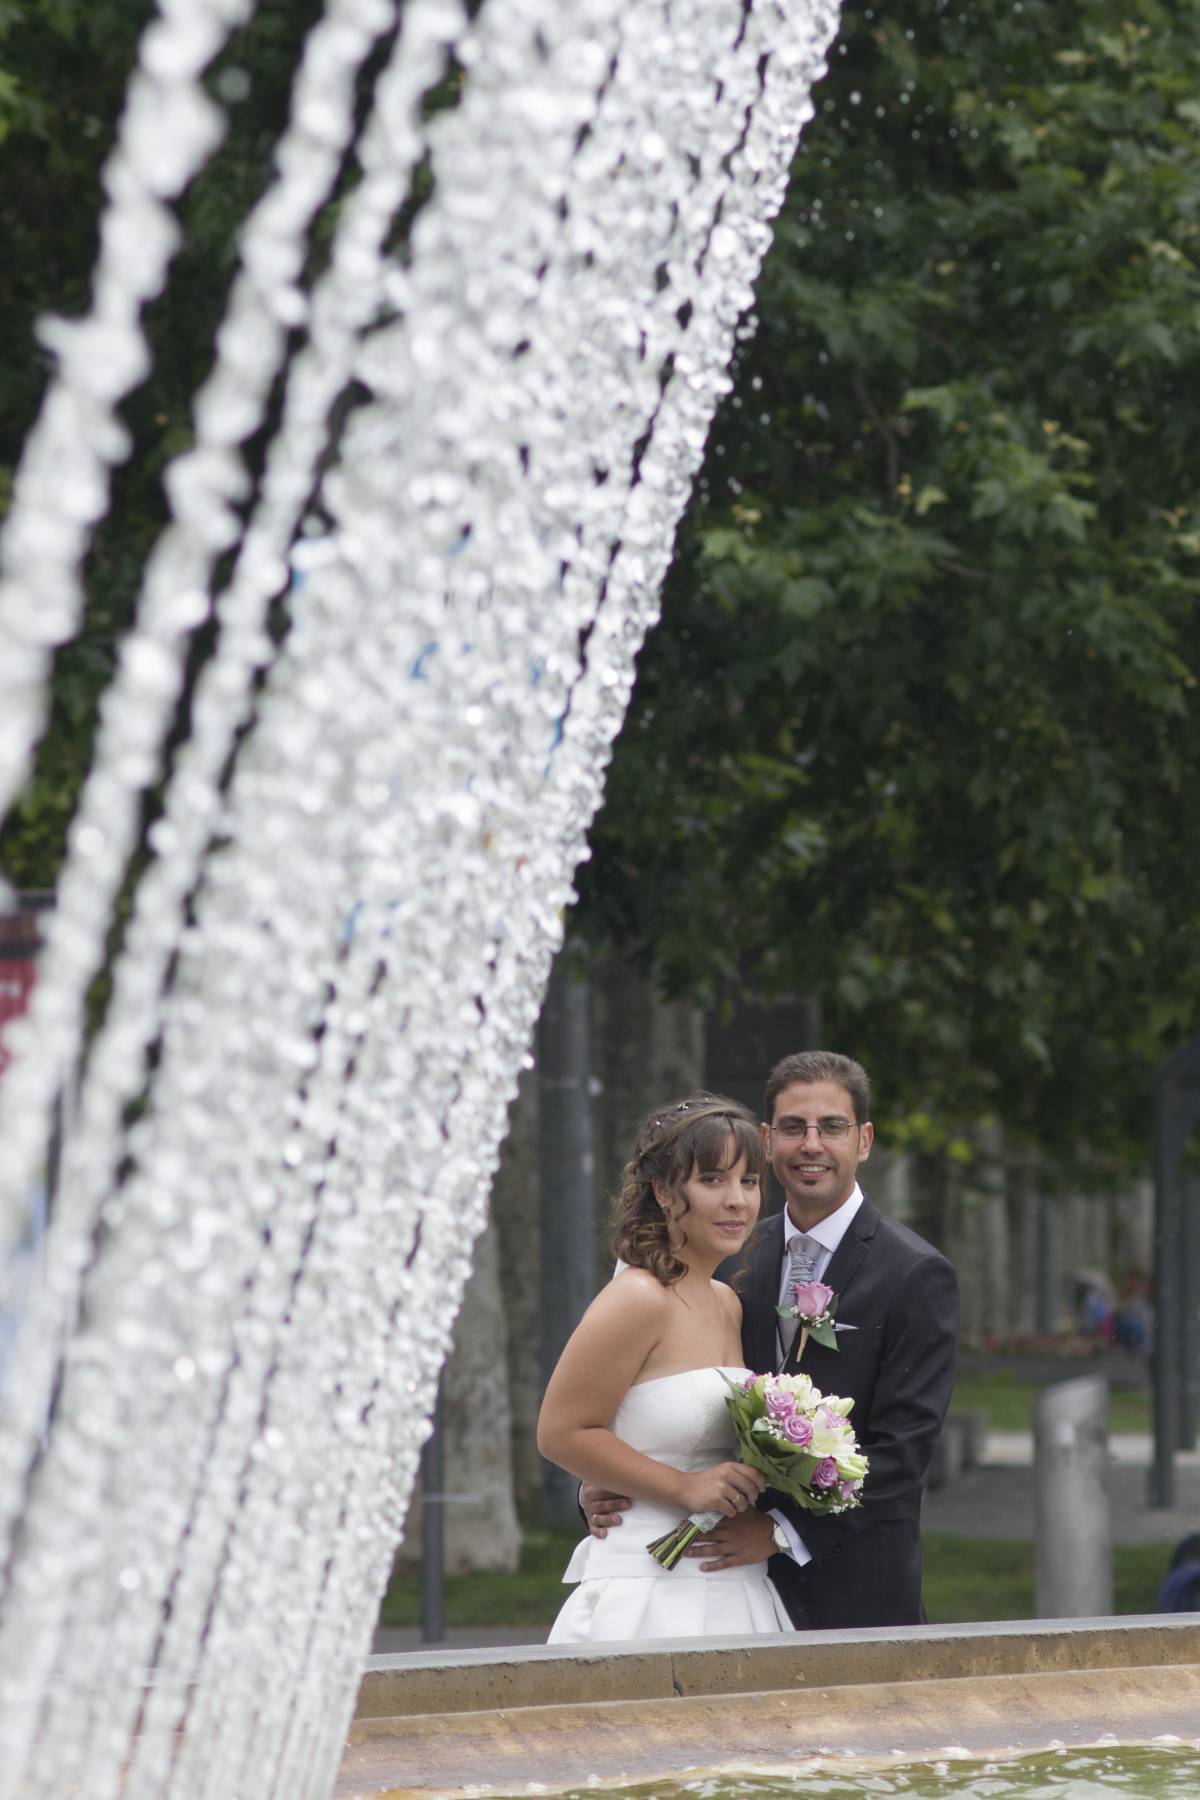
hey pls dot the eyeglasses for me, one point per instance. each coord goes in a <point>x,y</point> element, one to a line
<point>829,1129</point>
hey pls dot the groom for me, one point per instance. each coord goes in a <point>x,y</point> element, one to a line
<point>897,1330</point>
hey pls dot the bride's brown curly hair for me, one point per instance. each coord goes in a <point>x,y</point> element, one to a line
<point>689,1137</point>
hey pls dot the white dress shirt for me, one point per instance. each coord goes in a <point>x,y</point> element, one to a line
<point>828,1232</point>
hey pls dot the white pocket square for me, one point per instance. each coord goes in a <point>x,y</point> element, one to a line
<point>838,1327</point>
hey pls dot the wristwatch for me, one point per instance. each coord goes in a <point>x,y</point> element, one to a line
<point>780,1536</point>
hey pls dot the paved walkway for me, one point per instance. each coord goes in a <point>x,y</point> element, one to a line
<point>994,1500</point>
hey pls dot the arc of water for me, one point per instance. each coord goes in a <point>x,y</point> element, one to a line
<point>268,954</point>
<point>457,1213</point>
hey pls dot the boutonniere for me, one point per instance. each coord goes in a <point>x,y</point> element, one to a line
<point>813,1310</point>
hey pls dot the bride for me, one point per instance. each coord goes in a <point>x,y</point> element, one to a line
<point>637,1402</point>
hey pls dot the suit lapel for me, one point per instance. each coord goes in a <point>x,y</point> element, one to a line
<point>761,1296</point>
<point>844,1262</point>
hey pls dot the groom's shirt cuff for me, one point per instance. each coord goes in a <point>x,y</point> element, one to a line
<point>797,1549</point>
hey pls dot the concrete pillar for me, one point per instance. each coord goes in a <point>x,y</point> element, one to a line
<point>1072,1528</point>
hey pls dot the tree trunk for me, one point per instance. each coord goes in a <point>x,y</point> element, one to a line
<point>989,1239</point>
<point>515,1193</point>
<point>480,1512</point>
<point>645,1051</point>
<point>1021,1206</point>
<point>567,1180</point>
<point>933,1192</point>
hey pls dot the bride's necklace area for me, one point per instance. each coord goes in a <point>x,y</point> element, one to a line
<point>710,1320</point>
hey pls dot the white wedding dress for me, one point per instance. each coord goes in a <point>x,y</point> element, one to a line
<point>623,1593</point>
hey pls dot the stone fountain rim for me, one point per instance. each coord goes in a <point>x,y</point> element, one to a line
<point>461,1681</point>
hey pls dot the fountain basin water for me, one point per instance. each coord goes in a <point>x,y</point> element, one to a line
<point>499,1721</point>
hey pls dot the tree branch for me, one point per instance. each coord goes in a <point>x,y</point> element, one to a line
<point>885,431</point>
<point>957,568</point>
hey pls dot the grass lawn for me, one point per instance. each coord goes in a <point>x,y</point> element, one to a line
<point>992,1578</point>
<point>1009,1402</point>
<point>530,1597</point>
<point>965,1579</point>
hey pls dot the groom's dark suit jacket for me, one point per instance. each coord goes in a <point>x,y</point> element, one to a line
<point>897,1365</point>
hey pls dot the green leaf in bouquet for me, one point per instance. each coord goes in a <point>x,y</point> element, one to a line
<point>764,1460</point>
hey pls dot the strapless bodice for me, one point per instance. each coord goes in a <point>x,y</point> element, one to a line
<point>679,1419</point>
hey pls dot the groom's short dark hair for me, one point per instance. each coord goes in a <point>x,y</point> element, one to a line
<point>820,1065</point>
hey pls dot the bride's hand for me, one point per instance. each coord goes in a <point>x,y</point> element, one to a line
<point>728,1488</point>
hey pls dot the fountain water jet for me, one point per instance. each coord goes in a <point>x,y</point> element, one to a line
<point>289,1117</point>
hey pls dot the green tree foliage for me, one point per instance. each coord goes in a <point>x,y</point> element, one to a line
<point>64,65</point>
<point>918,730</point>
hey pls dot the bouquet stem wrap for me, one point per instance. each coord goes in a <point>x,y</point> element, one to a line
<point>668,1549</point>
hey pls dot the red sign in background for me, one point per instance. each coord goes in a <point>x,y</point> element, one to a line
<point>16,985</point>
<point>20,936</point>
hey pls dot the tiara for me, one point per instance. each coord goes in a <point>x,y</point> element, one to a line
<point>684,1106</point>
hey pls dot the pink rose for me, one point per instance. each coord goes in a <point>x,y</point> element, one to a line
<point>797,1430</point>
<point>812,1299</point>
<point>825,1475</point>
<point>847,1489</point>
<point>779,1405</point>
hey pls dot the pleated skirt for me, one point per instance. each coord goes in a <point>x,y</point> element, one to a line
<point>671,1604</point>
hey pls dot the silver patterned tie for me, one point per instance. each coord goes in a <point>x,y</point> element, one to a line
<point>802,1260</point>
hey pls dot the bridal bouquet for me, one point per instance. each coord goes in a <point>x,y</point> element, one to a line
<point>799,1438</point>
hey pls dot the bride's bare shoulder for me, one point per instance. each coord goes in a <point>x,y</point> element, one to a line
<point>638,1287</point>
<point>730,1301</point>
<point>632,1307</point>
<point>634,1297</point>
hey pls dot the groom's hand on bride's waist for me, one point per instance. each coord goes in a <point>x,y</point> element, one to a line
<point>600,1508</point>
<point>734,1543</point>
